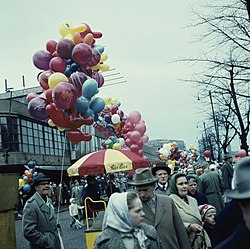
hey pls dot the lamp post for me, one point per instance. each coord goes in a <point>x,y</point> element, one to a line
<point>215,127</point>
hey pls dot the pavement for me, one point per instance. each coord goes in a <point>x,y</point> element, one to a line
<point>72,238</point>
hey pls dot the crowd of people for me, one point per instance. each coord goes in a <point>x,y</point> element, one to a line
<point>200,206</point>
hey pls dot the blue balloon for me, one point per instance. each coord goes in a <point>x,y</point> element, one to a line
<point>100,48</point>
<point>74,67</point>
<point>68,71</point>
<point>31,164</point>
<point>89,88</point>
<point>88,112</point>
<point>97,105</point>
<point>82,104</point>
<point>26,187</point>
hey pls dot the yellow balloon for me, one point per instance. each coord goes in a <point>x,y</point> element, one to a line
<point>61,129</point>
<point>104,67</point>
<point>117,146</point>
<point>56,78</point>
<point>67,30</point>
<point>191,146</point>
<point>104,57</point>
<point>107,100</point>
<point>161,157</point>
<point>21,183</point>
<point>50,123</point>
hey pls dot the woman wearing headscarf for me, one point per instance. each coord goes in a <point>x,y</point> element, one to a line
<point>189,212</point>
<point>122,225</point>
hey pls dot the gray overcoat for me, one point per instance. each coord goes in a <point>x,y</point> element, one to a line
<point>167,222</point>
<point>39,224</point>
<point>111,239</point>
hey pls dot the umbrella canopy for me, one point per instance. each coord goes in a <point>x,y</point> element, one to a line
<point>107,161</point>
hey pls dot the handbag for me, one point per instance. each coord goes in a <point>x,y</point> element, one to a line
<point>199,241</point>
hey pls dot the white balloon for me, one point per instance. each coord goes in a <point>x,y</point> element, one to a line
<point>115,119</point>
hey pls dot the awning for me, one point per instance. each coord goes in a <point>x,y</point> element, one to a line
<point>49,167</point>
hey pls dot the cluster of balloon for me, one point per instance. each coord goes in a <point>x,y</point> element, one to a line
<point>135,136</point>
<point>241,153</point>
<point>191,155</point>
<point>71,78</point>
<point>111,122</point>
<point>26,180</point>
<point>207,153</point>
<point>170,151</point>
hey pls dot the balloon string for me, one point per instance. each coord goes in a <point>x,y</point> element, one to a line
<point>61,178</point>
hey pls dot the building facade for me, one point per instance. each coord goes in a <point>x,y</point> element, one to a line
<point>24,138</point>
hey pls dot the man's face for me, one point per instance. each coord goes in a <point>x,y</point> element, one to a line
<point>145,192</point>
<point>162,176</point>
<point>209,217</point>
<point>43,188</point>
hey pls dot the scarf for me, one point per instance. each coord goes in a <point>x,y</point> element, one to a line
<point>117,217</point>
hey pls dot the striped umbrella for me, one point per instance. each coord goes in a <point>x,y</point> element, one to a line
<point>107,161</point>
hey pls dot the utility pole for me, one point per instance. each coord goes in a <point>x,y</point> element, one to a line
<point>215,127</point>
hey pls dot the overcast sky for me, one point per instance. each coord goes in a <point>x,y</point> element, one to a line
<point>140,39</point>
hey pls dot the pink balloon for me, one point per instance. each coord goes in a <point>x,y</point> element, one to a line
<point>140,153</point>
<point>99,78</point>
<point>129,126</point>
<point>64,95</point>
<point>140,144</point>
<point>134,117</point>
<point>77,79</point>
<point>134,148</point>
<point>144,138</point>
<point>242,153</point>
<point>96,57</point>
<point>43,79</point>
<point>128,142</point>
<point>64,48</point>
<point>31,96</point>
<point>135,136</point>
<point>41,59</point>
<point>141,127</point>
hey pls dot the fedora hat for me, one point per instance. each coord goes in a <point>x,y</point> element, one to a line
<point>40,177</point>
<point>143,176</point>
<point>242,180</point>
<point>162,166</point>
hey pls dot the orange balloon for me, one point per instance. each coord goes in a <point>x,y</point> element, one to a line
<point>88,39</point>
<point>77,38</point>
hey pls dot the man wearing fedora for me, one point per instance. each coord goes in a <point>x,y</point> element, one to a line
<point>162,172</point>
<point>240,239</point>
<point>160,211</point>
<point>40,226</point>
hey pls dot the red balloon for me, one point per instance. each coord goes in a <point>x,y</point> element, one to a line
<point>207,153</point>
<point>82,54</point>
<point>51,109</point>
<point>64,48</point>
<point>76,136</point>
<point>77,121</point>
<point>51,46</point>
<point>48,95</point>
<point>64,95</point>
<point>60,120</point>
<point>58,64</point>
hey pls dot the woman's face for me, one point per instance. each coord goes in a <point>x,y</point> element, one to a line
<point>181,184</point>
<point>136,212</point>
<point>209,217</point>
<point>192,186</point>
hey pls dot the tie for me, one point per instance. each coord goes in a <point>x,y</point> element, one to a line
<point>164,188</point>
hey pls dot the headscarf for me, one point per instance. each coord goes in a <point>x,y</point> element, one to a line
<point>117,216</point>
<point>172,183</point>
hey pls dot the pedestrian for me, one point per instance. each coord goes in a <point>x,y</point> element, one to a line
<point>160,211</point>
<point>162,172</point>
<point>112,187</point>
<point>227,171</point>
<point>210,184</point>
<point>39,222</point>
<point>189,212</point>
<point>122,225</point>
<point>192,190</point>
<point>73,211</point>
<point>208,213</point>
<point>240,239</point>
<point>77,193</point>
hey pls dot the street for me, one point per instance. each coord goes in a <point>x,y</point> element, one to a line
<point>73,238</point>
